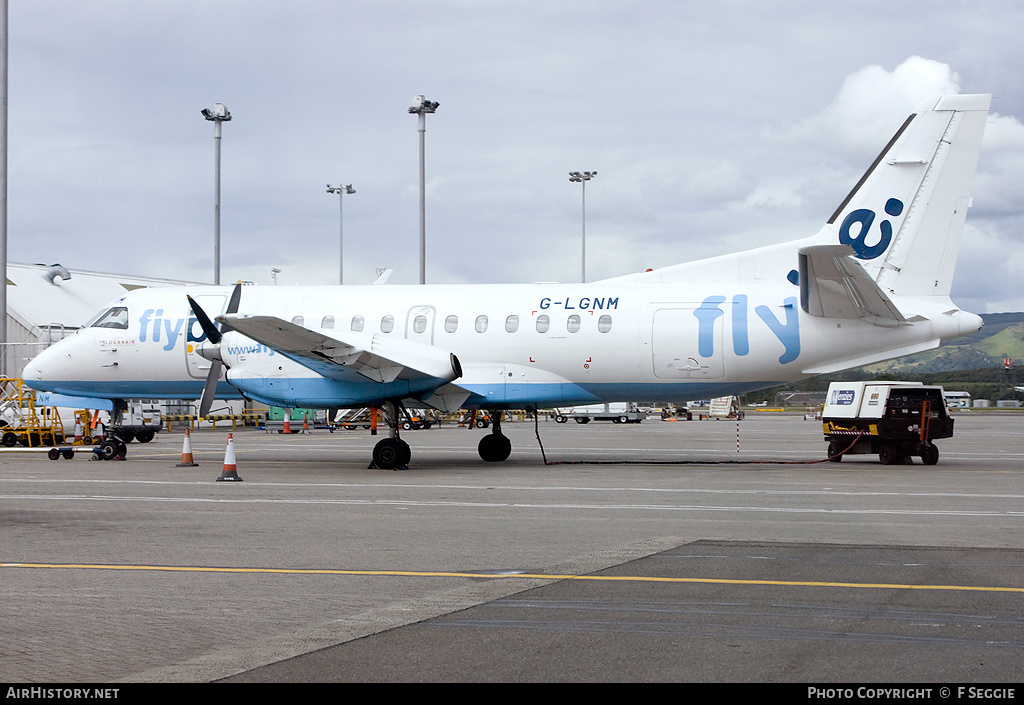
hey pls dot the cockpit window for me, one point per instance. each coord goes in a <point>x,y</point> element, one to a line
<point>117,317</point>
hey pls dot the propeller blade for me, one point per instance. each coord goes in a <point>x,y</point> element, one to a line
<point>236,296</point>
<point>210,390</point>
<point>212,333</point>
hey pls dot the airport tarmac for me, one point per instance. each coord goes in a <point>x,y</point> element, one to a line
<point>666,551</point>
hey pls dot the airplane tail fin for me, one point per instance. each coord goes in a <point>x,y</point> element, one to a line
<point>905,217</point>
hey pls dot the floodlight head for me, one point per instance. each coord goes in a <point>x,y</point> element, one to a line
<point>421,105</point>
<point>219,113</point>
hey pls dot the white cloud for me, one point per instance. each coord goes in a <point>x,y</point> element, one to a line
<point>872,103</point>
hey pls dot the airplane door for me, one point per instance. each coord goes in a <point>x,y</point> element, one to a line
<point>214,305</point>
<point>686,345</point>
<point>419,325</point>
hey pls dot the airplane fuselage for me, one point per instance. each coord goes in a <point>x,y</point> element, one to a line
<point>519,345</point>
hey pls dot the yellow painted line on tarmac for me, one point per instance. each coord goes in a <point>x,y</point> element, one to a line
<point>540,576</point>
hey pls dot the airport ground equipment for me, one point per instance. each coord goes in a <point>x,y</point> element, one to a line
<point>138,421</point>
<point>353,418</point>
<point>725,408</point>
<point>20,420</point>
<point>896,420</point>
<point>616,413</point>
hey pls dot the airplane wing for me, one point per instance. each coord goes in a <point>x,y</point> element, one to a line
<point>379,358</point>
<point>835,285</point>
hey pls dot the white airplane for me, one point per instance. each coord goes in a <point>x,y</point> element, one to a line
<point>871,285</point>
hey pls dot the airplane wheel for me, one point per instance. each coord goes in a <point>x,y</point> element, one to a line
<point>391,454</point>
<point>494,448</point>
<point>108,449</point>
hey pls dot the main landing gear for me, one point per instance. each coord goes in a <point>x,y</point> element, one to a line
<point>392,453</point>
<point>494,447</point>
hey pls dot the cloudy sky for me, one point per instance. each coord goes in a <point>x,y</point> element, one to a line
<point>713,127</point>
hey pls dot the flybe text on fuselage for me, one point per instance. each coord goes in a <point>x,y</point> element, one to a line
<point>154,328</point>
<point>786,329</point>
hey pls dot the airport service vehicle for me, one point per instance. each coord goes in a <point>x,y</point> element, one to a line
<point>871,285</point>
<point>616,413</point>
<point>896,420</point>
<point>725,408</point>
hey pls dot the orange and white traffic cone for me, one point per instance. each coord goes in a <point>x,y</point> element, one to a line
<point>287,424</point>
<point>305,425</point>
<point>186,453</point>
<point>229,474</point>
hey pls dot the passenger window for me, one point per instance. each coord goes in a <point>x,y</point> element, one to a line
<point>298,320</point>
<point>116,317</point>
<point>604,323</point>
<point>512,324</point>
<point>481,324</point>
<point>387,324</point>
<point>357,324</point>
<point>573,324</point>
<point>451,324</point>
<point>543,323</point>
<point>328,322</point>
<point>419,324</point>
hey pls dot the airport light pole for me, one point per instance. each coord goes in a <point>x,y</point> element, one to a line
<point>422,107</point>
<point>582,177</point>
<point>341,191</point>
<point>217,116</point>
<point>3,183</point>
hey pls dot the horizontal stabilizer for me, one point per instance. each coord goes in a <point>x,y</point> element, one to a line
<point>379,358</point>
<point>834,285</point>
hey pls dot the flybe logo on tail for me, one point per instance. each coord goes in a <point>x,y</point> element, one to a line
<point>865,218</point>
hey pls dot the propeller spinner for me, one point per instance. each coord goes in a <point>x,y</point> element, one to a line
<point>211,349</point>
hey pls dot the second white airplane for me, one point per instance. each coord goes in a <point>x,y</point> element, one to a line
<point>871,285</point>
